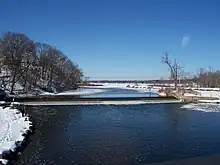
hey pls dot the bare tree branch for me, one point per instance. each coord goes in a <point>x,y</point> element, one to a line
<point>174,68</point>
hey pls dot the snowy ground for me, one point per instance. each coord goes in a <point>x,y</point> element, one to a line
<point>3,161</point>
<point>212,93</point>
<point>209,93</point>
<point>12,126</point>
<point>202,93</point>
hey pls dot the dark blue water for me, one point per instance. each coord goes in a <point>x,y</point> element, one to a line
<point>122,134</point>
<point>117,93</point>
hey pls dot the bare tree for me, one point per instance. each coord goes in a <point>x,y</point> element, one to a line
<point>36,65</point>
<point>174,68</point>
<point>57,70</point>
<point>208,78</point>
<point>18,52</point>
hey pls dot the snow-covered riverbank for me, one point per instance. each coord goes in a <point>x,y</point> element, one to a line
<point>13,129</point>
<point>205,95</point>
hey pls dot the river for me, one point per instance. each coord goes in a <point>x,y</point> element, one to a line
<point>120,134</point>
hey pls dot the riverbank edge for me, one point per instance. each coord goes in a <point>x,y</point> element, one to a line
<point>8,156</point>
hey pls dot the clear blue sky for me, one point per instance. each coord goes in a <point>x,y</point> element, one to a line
<point>121,38</point>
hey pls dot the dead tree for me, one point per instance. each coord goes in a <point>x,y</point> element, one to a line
<point>174,68</point>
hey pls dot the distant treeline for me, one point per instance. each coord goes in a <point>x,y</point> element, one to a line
<point>139,81</point>
<point>208,78</point>
<point>35,65</point>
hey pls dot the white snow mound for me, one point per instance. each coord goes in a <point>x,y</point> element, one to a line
<point>12,126</point>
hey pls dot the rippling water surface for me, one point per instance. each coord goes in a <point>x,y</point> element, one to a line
<point>120,134</point>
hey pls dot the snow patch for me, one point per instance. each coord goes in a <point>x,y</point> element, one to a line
<point>12,127</point>
<point>209,93</point>
<point>82,92</point>
<point>46,93</point>
<point>3,161</point>
<point>2,102</point>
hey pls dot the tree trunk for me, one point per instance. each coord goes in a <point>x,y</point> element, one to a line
<point>175,84</point>
<point>25,83</point>
<point>13,83</point>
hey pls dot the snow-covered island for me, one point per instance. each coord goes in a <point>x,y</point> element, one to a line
<point>14,127</point>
